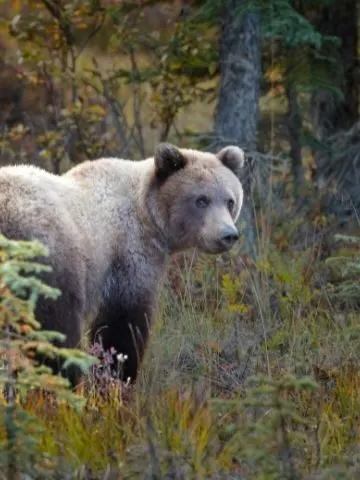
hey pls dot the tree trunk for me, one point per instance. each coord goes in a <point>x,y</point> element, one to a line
<point>236,115</point>
<point>294,131</point>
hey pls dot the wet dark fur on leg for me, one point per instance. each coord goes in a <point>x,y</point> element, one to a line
<point>127,331</point>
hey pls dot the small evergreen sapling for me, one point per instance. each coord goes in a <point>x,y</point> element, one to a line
<point>20,338</point>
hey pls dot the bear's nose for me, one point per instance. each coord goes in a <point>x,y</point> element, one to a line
<point>229,236</point>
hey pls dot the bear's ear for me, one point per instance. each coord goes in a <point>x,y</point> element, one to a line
<point>233,158</point>
<point>168,160</point>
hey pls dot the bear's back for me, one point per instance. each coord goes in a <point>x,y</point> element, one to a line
<point>33,203</point>
<point>83,216</point>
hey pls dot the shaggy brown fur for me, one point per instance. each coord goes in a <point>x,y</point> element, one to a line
<point>110,226</point>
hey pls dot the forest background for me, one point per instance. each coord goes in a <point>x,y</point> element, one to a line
<point>252,368</point>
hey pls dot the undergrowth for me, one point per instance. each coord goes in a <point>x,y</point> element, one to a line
<point>252,372</point>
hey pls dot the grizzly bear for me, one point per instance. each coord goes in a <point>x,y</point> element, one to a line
<point>110,225</point>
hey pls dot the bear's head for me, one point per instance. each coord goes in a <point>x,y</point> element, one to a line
<point>198,197</point>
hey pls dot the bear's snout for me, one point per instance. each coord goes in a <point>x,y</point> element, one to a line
<point>229,235</point>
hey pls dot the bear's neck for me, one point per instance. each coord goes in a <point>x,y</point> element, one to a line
<point>122,208</point>
<point>153,217</point>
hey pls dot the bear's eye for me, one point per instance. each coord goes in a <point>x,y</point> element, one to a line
<point>203,201</point>
<point>230,204</point>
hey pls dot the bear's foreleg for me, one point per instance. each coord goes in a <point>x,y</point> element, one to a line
<point>63,315</point>
<point>126,329</point>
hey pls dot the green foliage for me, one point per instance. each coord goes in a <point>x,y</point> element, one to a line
<point>280,20</point>
<point>274,432</point>
<point>297,418</point>
<point>86,109</point>
<point>307,57</point>
<point>20,338</point>
<point>346,271</point>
